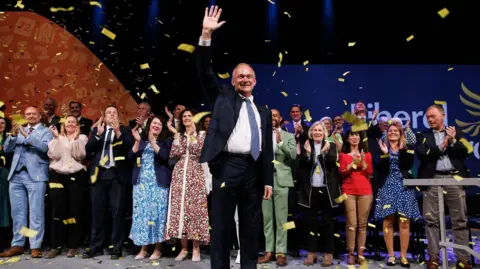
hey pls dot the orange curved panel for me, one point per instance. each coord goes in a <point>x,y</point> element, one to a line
<point>39,59</point>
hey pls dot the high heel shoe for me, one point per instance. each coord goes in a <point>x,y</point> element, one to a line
<point>181,256</point>
<point>404,262</point>
<point>196,255</point>
<point>141,255</point>
<point>156,255</point>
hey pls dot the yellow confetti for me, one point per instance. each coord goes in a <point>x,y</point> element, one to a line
<point>104,160</point>
<point>284,94</point>
<point>443,12</point>
<point>403,219</point>
<point>110,246</point>
<point>305,63</point>
<point>286,13</point>
<point>117,144</point>
<point>312,233</point>
<point>280,58</point>
<point>275,162</point>
<point>354,166</point>
<point>142,96</point>
<point>151,223</point>
<point>345,102</point>
<point>450,69</point>
<point>173,249</point>
<point>461,264</point>
<point>2,115</point>
<point>422,263</point>
<point>95,3</point>
<point>186,47</point>
<point>308,117</point>
<point>69,221</point>
<point>306,69</point>
<point>338,164</point>
<point>28,232</point>
<point>2,103</point>
<point>428,151</point>
<point>154,89</point>
<point>410,38</point>
<point>223,185</point>
<point>372,225</point>
<point>139,161</point>
<point>93,178</point>
<point>336,235</point>
<point>224,76</point>
<point>386,230</point>
<point>13,260</point>
<point>346,73</point>
<point>120,158</point>
<point>351,229</point>
<point>56,9</point>
<point>91,43</point>
<point>109,33</point>
<point>20,5</point>
<point>359,128</point>
<point>444,192</point>
<point>457,177</point>
<point>18,118</point>
<point>341,198</point>
<point>200,115</point>
<point>271,2</point>
<point>472,243</point>
<point>385,156</point>
<point>55,185</point>
<point>437,102</point>
<point>418,189</point>
<point>386,206</point>
<point>466,144</point>
<point>3,159</point>
<point>144,66</point>
<point>351,44</point>
<point>341,79</point>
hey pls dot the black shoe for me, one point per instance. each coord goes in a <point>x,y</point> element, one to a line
<point>90,254</point>
<point>116,255</point>
<point>404,262</point>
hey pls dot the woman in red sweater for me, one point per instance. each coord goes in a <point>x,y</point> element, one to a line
<point>356,168</point>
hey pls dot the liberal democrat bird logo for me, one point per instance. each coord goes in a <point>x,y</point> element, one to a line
<point>470,128</point>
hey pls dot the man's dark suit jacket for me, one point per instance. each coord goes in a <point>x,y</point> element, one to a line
<point>55,121</point>
<point>225,115</point>
<point>429,153</point>
<point>94,150</point>
<point>85,125</point>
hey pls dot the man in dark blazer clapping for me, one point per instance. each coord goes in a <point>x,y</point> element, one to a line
<point>239,149</point>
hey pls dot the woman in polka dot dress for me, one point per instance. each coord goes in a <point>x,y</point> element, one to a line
<point>393,198</point>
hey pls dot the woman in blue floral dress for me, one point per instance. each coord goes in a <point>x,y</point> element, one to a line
<point>151,180</point>
<point>393,198</point>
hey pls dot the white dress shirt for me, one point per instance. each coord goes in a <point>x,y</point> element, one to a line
<point>110,157</point>
<point>241,138</point>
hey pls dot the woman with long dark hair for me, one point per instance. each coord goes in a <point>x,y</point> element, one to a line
<point>356,169</point>
<point>151,185</point>
<point>187,209</point>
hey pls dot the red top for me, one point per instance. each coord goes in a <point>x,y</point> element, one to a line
<point>356,181</point>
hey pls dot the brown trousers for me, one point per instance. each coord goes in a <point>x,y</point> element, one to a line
<point>357,209</point>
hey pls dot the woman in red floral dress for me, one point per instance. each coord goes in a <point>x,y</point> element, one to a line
<point>187,209</point>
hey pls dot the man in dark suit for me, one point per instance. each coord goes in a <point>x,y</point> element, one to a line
<point>143,115</point>
<point>239,150</point>
<point>85,123</point>
<point>442,154</point>
<point>50,118</point>
<point>108,149</point>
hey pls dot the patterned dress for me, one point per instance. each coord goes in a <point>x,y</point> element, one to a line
<point>394,197</point>
<point>187,209</point>
<point>150,204</point>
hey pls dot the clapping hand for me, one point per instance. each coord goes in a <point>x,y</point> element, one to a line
<point>54,131</point>
<point>135,134</point>
<point>451,133</point>
<point>171,128</point>
<point>169,114</point>
<point>383,146</point>
<point>307,147</point>
<point>326,147</point>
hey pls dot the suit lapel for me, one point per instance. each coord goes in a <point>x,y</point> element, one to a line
<point>238,106</point>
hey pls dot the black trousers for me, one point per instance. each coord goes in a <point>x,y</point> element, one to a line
<point>66,203</point>
<point>320,202</point>
<point>107,192</point>
<point>235,181</point>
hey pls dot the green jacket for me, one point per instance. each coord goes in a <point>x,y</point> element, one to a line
<point>284,158</point>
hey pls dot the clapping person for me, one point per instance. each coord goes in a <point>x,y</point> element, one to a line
<point>5,160</point>
<point>151,180</point>
<point>187,209</point>
<point>67,174</point>
<point>393,198</point>
<point>356,168</point>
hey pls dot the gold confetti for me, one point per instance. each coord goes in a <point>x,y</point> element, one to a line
<point>457,177</point>
<point>372,225</point>
<point>154,89</point>
<point>274,72</point>
<point>173,249</point>
<point>151,223</point>
<point>143,95</point>
<point>120,158</point>
<point>341,79</point>
<point>91,43</point>
<point>346,73</point>
<point>199,116</point>
<point>305,63</point>
<point>56,9</point>
<point>2,103</point>
<point>95,3</point>
<point>402,219</point>
<point>437,102</point>
<point>224,76</point>
<point>280,58</point>
<point>317,170</point>
<point>288,225</point>
<point>144,66</point>
<point>410,38</point>
<point>345,102</point>
<point>386,206</point>
<point>418,189</point>
<point>351,44</point>
<point>18,118</point>
<point>422,263</point>
<point>312,233</point>
<point>336,235</point>
<point>308,117</point>
<point>20,5</point>
<point>354,166</point>
<point>2,115</point>
<point>443,12</point>
<point>306,69</point>
<point>341,198</point>
<point>3,159</point>
<point>117,144</point>
<point>186,47</point>
<point>110,246</point>
<point>286,13</point>
<point>351,229</point>
<point>139,160</point>
<point>13,260</point>
<point>284,94</point>
<point>72,179</point>
<point>385,156</point>
<point>104,160</point>
<point>275,162</point>
<point>428,151</point>
<point>467,145</point>
<point>359,128</point>
<point>450,69</point>
<point>386,230</point>
<point>461,264</point>
<point>69,221</point>
<point>271,2</point>
<point>93,178</point>
<point>28,232</point>
<point>223,185</point>
<point>109,33</point>
<point>55,185</point>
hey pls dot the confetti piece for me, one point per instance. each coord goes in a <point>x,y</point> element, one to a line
<point>223,185</point>
<point>110,246</point>
<point>305,63</point>
<point>275,162</point>
<point>308,117</point>
<point>18,118</point>
<point>428,151</point>
<point>284,94</point>
<point>351,44</point>
<point>359,128</point>
<point>345,102</point>
<point>317,171</point>
<point>410,38</point>
<point>144,66</point>
<point>143,95</point>
<point>312,234</point>
<point>109,33</point>
<point>336,235</point>
<point>13,260</point>
<point>91,43</point>
<point>372,225</point>
<point>120,158</point>
<point>55,185</point>
<point>286,13</point>
<point>2,115</point>
<point>274,72</point>
<point>385,156</point>
<point>338,164</point>
<point>173,249</point>
<point>354,166</point>
<point>154,89</point>
<point>466,144</point>
<point>386,206</point>
<point>200,115</point>
<point>461,264</point>
<point>450,69</point>
<point>280,58</point>
<point>418,189</point>
<point>341,79</point>
<point>56,9</point>
<point>341,198</point>
<point>346,73</point>
<point>139,160</point>
<point>117,144</point>
<point>422,263</point>
<point>28,232</point>
<point>457,177</point>
<point>403,219</point>
<point>104,160</point>
<point>443,12</point>
<point>440,102</point>
<point>386,230</point>
<point>151,223</point>
<point>351,229</point>
<point>186,47</point>
<point>20,5</point>
<point>306,69</point>
<point>95,3</point>
<point>271,2</point>
<point>93,178</point>
<point>224,76</point>
<point>69,221</point>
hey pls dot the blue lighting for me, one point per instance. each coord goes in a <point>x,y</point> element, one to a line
<point>151,28</point>
<point>272,22</point>
<point>211,3</point>
<point>328,18</point>
<point>98,21</point>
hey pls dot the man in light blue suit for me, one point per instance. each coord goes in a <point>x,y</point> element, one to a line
<point>28,179</point>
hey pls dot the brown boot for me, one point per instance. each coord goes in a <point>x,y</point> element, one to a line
<point>13,251</point>
<point>327,260</point>
<point>52,253</point>
<point>432,263</point>
<point>281,260</point>
<point>37,253</point>
<point>71,253</point>
<point>311,259</point>
<point>351,259</point>
<point>267,258</point>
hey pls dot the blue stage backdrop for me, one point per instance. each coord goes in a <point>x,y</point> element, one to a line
<point>402,91</point>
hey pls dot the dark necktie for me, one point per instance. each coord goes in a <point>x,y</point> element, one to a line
<point>106,149</point>
<point>255,143</point>
<point>30,130</point>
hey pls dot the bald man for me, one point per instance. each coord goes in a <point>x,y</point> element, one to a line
<point>28,179</point>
